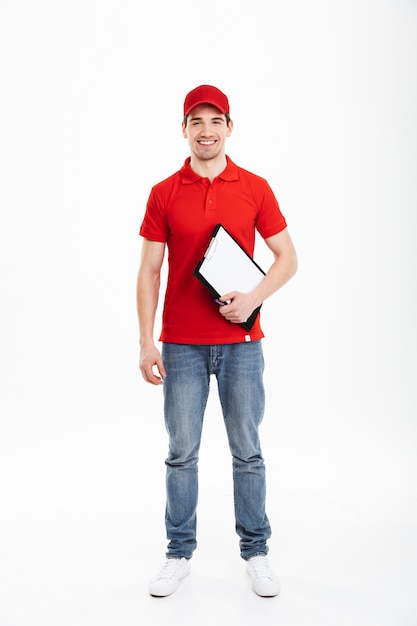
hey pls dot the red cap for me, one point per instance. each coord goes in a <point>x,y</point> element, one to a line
<point>206,94</point>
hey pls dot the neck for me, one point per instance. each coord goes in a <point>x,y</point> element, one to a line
<point>210,168</point>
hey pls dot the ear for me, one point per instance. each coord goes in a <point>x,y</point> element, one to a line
<point>184,130</point>
<point>229,128</point>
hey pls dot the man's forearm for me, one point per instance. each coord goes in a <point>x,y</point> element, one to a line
<point>147,293</point>
<point>278,274</point>
<point>282,269</point>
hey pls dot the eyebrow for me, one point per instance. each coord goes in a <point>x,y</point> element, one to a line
<point>197,119</point>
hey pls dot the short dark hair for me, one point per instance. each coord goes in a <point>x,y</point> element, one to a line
<point>225,114</point>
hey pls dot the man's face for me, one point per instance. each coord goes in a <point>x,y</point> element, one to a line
<point>206,132</point>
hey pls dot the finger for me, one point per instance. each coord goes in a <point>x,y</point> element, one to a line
<point>228,297</point>
<point>153,379</point>
<point>159,365</point>
<point>149,376</point>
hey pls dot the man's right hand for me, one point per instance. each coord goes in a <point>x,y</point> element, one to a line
<point>150,357</point>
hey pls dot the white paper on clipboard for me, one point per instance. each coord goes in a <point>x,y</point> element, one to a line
<point>226,267</point>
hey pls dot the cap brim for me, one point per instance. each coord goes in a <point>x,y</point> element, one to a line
<point>213,104</point>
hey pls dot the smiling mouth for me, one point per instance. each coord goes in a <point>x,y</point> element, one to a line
<point>207,143</point>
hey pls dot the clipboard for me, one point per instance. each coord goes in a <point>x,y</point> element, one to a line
<point>226,266</point>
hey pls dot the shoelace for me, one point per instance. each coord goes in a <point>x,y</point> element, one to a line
<point>170,568</point>
<point>261,567</point>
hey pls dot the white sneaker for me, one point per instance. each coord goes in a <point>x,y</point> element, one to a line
<point>264,581</point>
<point>168,579</point>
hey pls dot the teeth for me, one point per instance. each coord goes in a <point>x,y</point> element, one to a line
<point>207,143</point>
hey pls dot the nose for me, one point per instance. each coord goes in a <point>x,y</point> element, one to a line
<point>205,131</point>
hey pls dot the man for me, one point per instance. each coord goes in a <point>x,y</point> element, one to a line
<point>201,338</point>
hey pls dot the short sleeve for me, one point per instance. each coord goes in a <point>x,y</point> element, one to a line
<point>154,225</point>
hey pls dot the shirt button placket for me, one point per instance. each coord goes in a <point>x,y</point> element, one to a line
<point>211,201</point>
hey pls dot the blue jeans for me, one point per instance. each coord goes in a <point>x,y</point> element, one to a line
<point>238,369</point>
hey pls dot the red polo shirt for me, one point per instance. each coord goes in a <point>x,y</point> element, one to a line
<point>182,212</point>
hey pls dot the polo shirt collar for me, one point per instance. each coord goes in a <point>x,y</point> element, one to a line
<point>188,176</point>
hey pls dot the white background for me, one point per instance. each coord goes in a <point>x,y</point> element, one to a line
<point>323,97</point>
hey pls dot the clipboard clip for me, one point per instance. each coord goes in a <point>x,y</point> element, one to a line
<point>211,249</point>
